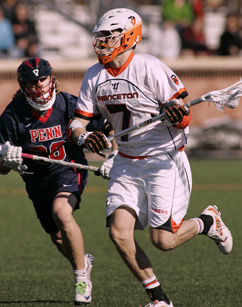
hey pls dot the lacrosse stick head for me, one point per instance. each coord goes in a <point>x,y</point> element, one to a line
<point>226,98</point>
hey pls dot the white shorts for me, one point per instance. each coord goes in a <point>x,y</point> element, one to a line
<point>158,188</point>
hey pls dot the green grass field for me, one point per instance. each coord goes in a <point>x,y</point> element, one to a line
<point>33,273</point>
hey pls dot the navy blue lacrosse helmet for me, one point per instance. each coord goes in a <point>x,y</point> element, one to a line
<point>40,95</point>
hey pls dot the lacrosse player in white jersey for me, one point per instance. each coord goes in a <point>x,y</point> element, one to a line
<point>150,178</point>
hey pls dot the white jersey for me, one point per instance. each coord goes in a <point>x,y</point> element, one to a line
<point>134,95</point>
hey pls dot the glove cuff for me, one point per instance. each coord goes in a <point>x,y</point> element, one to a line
<point>82,138</point>
<point>184,123</point>
<point>112,154</point>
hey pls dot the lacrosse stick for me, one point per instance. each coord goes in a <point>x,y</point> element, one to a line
<point>61,162</point>
<point>228,97</point>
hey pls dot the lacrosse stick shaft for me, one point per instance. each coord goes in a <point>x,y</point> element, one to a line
<point>61,162</point>
<point>230,95</point>
<point>151,120</point>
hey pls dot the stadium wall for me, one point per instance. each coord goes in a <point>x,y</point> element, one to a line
<point>199,75</point>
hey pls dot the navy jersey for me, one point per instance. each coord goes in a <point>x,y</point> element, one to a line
<point>45,136</point>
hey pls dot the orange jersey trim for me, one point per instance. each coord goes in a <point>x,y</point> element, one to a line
<point>85,114</point>
<point>115,71</point>
<point>132,157</point>
<point>142,157</point>
<point>177,94</point>
<point>181,148</point>
<point>174,226</point>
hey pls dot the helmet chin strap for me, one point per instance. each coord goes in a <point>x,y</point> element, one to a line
<point>42,107</point>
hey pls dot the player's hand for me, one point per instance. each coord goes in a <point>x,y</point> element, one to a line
<point>174,112</point>
<point>12,157</point>
<point>94,141</point>
<point>105,168</point>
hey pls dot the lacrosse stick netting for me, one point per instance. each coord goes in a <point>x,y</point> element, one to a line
<point>228,97</point>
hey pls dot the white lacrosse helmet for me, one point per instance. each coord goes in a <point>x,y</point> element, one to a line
<point>129,27</point>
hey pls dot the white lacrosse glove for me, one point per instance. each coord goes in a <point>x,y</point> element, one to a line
<point>105,168</point>
<point>12,157</point>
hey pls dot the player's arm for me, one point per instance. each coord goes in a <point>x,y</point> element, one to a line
<point>108,131</point>
<point>77,126</point>
<point>104,169</point>
<point>95,141</point>
<point>177,114</point>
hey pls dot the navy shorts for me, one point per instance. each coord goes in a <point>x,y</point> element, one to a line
<point>42,191</point>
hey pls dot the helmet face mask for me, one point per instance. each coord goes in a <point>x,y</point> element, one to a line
<point>107,45</point>
<point>124,26</point>
<point>37,82</point>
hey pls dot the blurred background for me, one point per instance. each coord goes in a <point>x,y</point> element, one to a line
<point>201,40</point>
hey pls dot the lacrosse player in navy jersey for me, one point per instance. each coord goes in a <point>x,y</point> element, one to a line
<point>150,177</point>
<point>36,122</point>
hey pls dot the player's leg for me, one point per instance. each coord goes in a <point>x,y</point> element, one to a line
<point>70,243</point>
<point>56,217</point>
<point>169,191</point>
<point>209,223</point>
<point>83,285</point>
<point>71,234</point>
<point>126,186</point>
<point>122,223</point>
<point>166,240</point>
<point>172,201</point>
<point>121,232</point>
<point>57,240</point>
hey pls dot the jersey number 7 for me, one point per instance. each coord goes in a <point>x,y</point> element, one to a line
<point>115,108</point>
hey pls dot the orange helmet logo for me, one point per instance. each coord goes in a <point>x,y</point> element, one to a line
<point>133,20</point>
